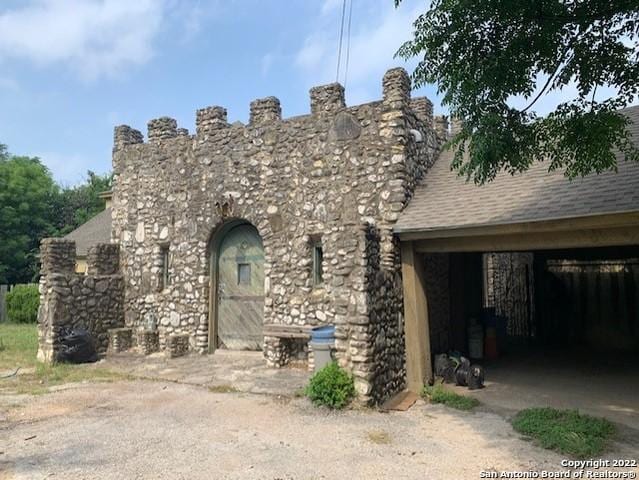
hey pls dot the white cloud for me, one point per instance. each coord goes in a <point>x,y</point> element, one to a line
<point>93,37</point>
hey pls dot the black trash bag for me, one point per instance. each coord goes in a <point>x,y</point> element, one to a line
<point>442,363</point>
<point>475,379</point>
<point>471,376</point>
<point>462,372</point>
<point>77,347</point>
<point>445,367</point>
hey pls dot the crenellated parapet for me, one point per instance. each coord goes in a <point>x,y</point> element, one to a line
<point>422,107</point>
<point>440,123</point>
<point>103,259</point>
<point>161,129</point>
<point>123,135</point>
<point>57,255</point>
<point>210,119</point>
<point>327,99</point>
<point>396,89</point>
<point>265,110</point>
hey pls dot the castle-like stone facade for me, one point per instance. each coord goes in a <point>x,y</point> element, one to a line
<point>337,178</point>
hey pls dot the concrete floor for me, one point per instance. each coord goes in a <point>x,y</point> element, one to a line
<point>241,371</point>
<point>604,385</point>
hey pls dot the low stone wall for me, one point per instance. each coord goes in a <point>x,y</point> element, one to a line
<point>120,339</point>
<point>148,341</point>
<point>177,345</point>
<point>94,301</point>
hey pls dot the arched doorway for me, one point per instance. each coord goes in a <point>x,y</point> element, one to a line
<point>237,300</point>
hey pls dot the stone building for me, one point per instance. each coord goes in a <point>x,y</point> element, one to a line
<point>246,236</point>
<point>243,236</point>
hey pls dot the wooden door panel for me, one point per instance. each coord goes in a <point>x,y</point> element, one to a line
<point>240,289</point>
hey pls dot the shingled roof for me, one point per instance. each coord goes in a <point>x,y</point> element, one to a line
<point>443,200</point>
<point>96,230</point>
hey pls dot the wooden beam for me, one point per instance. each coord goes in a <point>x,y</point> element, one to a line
<point>416,326</point>
<point>605,237</point>
<point>592,222</point>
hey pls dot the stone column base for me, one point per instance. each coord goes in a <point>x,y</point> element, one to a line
<point>120,339</point>
<point>276,351</point>
<point>177,345</point>
<point>148,341</point>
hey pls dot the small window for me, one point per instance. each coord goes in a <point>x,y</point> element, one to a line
<point>318,260</point>
<point>166,267</point>
<point>243,273</point>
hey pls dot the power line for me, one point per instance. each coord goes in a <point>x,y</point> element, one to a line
<point>348,41</point>
<point>341,35</point>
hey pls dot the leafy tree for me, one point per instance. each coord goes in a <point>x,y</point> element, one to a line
<point>27,192</point>
<point>75,205</point>
<point>483,54</point>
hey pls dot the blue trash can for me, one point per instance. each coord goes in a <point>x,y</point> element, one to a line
<point>323,344</point>
<point>324,334</point>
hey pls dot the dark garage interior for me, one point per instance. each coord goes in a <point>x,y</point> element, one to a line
<point>558,327</point>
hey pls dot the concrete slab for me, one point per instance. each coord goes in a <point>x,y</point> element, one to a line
<point>242,371</point>
<point>604,385</point>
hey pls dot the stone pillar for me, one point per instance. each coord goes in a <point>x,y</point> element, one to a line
<point>57,255</point>
<point>265,110</point>
<point>124,135</point>
<point>423,109</point>
<point>210,119</point>
<point>162,128</point>
<point>183,132</point>
<point>103,259</point>
<point>440,123</point>
<point>456,125</point>
<point>396,89</point>
<point>327,98</point>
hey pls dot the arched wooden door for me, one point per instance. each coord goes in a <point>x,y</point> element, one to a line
<point>240,289</point>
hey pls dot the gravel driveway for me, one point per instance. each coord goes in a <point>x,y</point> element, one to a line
<point>155,430</point>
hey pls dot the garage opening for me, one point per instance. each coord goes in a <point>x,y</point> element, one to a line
<point>555,327</point>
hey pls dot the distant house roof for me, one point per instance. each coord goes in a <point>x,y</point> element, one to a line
<point>443,200</point>
<point>96,230</point>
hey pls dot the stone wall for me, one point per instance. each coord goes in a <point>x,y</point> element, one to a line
<point>437,280</point>
<point>328,176</point>
<point>67,299</point>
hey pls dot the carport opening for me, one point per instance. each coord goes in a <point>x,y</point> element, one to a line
<point>556,327</point>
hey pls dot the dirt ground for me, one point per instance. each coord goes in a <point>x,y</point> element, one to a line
<point>157,430</point>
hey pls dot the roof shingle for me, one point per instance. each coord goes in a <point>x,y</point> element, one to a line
<point>94,231</point>
<point>443,200</point>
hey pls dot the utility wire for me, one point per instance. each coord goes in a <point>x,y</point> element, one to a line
<point>341,35</point>
<point>348,41</point>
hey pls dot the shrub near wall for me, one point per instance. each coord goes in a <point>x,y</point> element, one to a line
<point>22,303</point>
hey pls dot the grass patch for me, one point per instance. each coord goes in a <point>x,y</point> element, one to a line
<point>438,394</point>
<point>379,437</point>
<point>223,389</point>
<point>565,431</point>
<point>18,348</point>
<point>18,345</point>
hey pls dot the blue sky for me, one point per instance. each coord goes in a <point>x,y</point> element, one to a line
<point>72,69</point>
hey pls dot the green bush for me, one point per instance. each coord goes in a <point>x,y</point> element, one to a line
<point>565,431</point>
<point>331,386</point>
<point>22,304</point>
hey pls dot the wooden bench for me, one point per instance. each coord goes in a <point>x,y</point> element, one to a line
<point>287,331</point>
